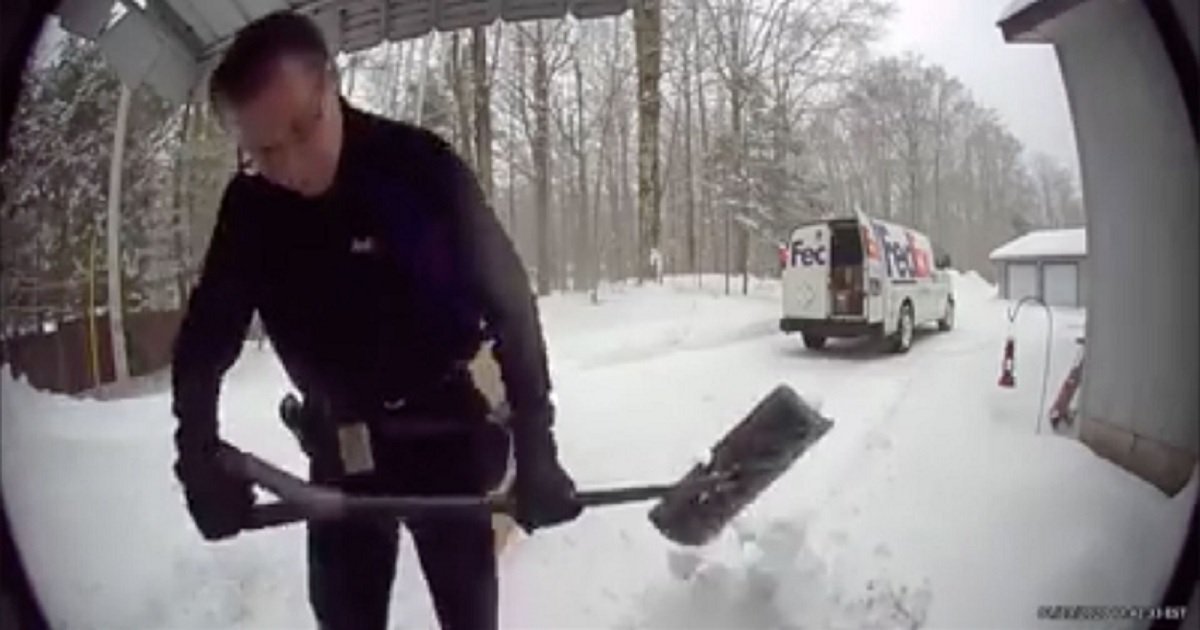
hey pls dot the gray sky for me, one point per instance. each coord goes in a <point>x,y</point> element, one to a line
<point>1020,81</point>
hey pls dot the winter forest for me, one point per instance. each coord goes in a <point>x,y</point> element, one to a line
<point>688,136</point>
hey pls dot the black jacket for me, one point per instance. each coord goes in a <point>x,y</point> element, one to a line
<point>368,293</point>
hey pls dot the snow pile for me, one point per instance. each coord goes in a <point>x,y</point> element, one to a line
<point>933,501</point>
<point>101,526</point>
<point>969,287</point>
<point>639,323</point>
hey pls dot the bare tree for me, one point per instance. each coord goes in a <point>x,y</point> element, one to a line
<point>456,78</point>
<point>689,156</point>
<point>647,26</point>
<point>777,62</point>
<point>906,141</point>
<point>541,155</point>
<point>482,89</point>
<point>1059,204</point>
<point>529,100</point>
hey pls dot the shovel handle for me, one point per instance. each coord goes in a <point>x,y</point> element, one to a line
<point>306,501</point>
<point>279,513</point>
<point>301,501</point>
<point>616,496</point>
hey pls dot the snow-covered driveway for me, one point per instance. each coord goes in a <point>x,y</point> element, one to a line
<point>933,502</point>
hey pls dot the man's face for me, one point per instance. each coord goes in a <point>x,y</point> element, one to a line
<point>292,128</point>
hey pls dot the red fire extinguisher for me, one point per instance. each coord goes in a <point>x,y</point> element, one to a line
<point>1061,412</point>
<point>1007,379</point>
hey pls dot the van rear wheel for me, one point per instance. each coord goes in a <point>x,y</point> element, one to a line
<point>947,321</point>
<point>902,339</point>
<point>813,341</point>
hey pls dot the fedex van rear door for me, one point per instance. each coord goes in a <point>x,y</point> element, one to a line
<point>806,277</point>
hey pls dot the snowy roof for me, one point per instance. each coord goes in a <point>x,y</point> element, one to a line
<point>168,44</point>
<point>1033,21</point>
<point>1015,7</point>
<point>1044,244</point>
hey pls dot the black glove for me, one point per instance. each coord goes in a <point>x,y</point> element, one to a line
<point>544,492</point>
<point>302,419</point>
<point>219,501</point>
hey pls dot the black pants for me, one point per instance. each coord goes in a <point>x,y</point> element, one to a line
<point>351,567</point>
<point>352,564</point>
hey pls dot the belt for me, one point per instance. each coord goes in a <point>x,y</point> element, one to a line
<point>427,388</point>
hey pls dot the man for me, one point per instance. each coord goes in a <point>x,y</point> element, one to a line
<point>377,269</point>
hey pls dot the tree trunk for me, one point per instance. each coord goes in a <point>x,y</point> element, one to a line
<point>671,192</point>
<point>541,160</point>
<point>510,149</point>
<point>560,199</point>
<point>352,74</point>
<point>458,87</point>
<point>744,257</point>
<point>483,111</point>
<point>408,52</point>
<point>594,235</point>
<point>178,181</point>
<point>740,184</point>
<point>393,77</point>
<point>621,228</point>
<point>937,231</point>
<point>702,103</point>
<point>584,265</point>
<point>423,78</point>
<point>914,165</point>
<point>728,249</point>
<point>614,210</point>
<point>647,25</point>
<point>115,301</point>
<point>689,164</point>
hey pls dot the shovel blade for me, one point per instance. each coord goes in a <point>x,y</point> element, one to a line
<point>752,455</point>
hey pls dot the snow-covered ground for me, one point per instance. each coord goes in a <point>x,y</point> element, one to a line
<point>933,502</point>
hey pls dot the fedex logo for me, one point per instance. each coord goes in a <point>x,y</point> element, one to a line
<point>899,257</point>
<point>803,256</point>
<point>904,258</point>
<point>881,237</point>
<point>920,257</point>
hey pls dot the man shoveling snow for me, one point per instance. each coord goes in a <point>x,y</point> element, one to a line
<point>369,253</point>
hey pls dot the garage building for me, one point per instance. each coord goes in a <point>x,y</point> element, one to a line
<point>1047,264</point>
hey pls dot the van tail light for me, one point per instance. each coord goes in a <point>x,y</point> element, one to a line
<point>783,257</point>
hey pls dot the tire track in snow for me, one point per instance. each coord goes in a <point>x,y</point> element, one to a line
<point>871,440</point>
<point>841,475</point>
<point>862,560</point>
<point>861,404</point>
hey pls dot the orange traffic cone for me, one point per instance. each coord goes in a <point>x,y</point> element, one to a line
<point>1006,365</point>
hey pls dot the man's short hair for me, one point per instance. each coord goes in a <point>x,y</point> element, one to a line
<point>252,56</point>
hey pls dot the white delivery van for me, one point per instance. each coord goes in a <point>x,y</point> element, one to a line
<point>859,276</point>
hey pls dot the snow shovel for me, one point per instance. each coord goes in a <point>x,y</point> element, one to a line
<point>691,511</point>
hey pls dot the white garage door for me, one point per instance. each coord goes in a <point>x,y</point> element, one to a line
<point>1022,280</point>
<point>1061,284</point>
